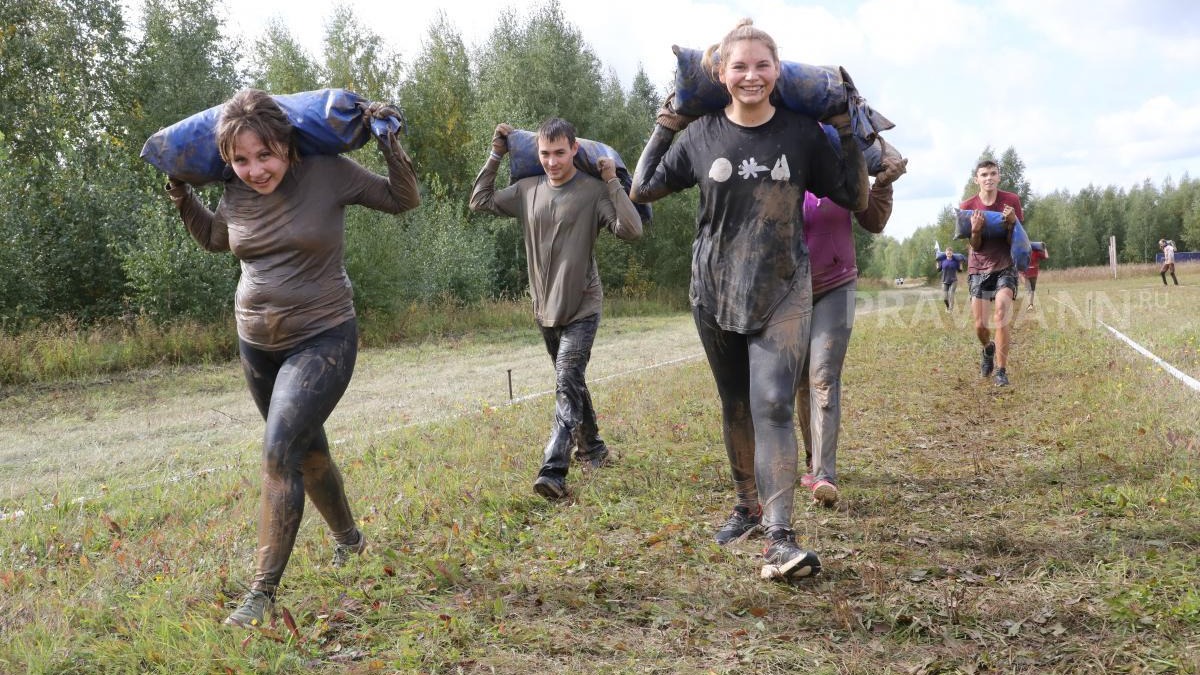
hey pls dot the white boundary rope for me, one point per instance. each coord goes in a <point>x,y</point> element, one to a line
<point>1178,374</point>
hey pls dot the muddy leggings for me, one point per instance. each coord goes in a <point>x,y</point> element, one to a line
<point>756,377</point>
<point>819,396</point>
<point>295,390</point>
<point>948,293</point>
<point>570,347</point>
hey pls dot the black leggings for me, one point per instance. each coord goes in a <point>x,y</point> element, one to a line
<point>570,347</point>
<point>295,390</point>
<point>756,377</point>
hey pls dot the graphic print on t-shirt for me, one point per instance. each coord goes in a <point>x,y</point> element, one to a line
<point>722,169</point>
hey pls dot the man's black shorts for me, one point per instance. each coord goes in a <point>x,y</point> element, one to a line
<point>985,285</point>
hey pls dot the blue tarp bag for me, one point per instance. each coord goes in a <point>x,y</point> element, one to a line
<point>816,91</point>
<point>872,152</point>
<point>523,162</point>
<point>1037,245</point>
<point>326,122</point>
<point>957,256</point>
<point>993,228</point>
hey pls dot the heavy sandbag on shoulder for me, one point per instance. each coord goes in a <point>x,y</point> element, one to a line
<point>816,91</point>
<point>326,122</point>
<point>523,162</point>
<point>993,228</point>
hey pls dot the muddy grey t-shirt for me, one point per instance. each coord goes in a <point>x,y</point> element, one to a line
<point>291,242</point>
<point>749,243</point>
<point>560,225</point>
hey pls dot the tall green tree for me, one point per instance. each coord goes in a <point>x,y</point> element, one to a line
<point>529,70</point>
<point>439,102</point>
<point>63,68</point>
<point>357,58</point>
<point>182,64</point>
<point>281,65</point>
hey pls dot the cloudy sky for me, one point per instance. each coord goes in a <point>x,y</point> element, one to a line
<point>1103,92</point>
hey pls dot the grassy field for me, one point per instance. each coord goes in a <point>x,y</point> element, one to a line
<point>1049,527</point>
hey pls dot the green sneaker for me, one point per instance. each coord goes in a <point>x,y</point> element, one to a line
<point>252,613</point>
<point>343,552</point>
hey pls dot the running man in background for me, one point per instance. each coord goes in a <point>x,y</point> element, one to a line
<point>1036,256</point>
<point>1168,249</point>
<point>949,266</point>
<point>991,273</point>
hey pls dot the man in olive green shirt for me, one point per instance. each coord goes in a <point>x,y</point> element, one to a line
<point>561,214</point>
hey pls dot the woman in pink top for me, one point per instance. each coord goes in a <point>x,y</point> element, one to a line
<point>830,239</point>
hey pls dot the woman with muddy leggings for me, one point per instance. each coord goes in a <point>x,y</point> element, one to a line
<point>750,289</point>
<point>829,234</point>
<point>284,219</point>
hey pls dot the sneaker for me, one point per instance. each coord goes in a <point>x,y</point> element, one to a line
<point>808,480</point>
<point>550,487</point>
<point>252,612</point>
<point>1001,378</point>
<point>783,559</point>
<point>741,522</point>
<point>825,493</point>
<point>343,552</point>
<point>595,460</point>
<point>987,363</point>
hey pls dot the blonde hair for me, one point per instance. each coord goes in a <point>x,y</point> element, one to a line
<point>744,30</point>
<point>254,110</point>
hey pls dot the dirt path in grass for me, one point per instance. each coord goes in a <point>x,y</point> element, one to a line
<point>117,430</point>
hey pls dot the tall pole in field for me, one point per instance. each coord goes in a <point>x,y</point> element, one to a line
<point>1112,255</point>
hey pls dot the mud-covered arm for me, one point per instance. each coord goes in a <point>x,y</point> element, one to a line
<point>620,215</point>
<point>879,209</point>
<point>840,175</point>
<point>485,198</point>
<point>403,193</point>
<point>879,201</point>
<point>208,229</point>
<point>649,180</point>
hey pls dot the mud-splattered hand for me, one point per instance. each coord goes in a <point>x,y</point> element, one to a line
<point>1010,215</point>
<point>500,138</point>
<point>607,167</point>
<point>977,221</point>
<point>668,118</point>
<point>893,168</point>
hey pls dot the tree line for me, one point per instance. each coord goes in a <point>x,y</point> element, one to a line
<point>88,233</point>
<point>1075,227</point>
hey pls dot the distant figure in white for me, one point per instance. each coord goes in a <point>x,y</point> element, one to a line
<point>1168,265</point>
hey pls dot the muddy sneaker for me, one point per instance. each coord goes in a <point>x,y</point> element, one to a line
<point>1001,378</point>
<point>252,612</point>
<point>987,363</point>
<point>825,493</point>
<point>343,552</point>
<point>783,559</point>
<point>594,460</point>
<point>741,522</point>
<point>550,487</point>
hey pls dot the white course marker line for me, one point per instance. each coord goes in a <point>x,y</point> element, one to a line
<point>1178,374</point>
